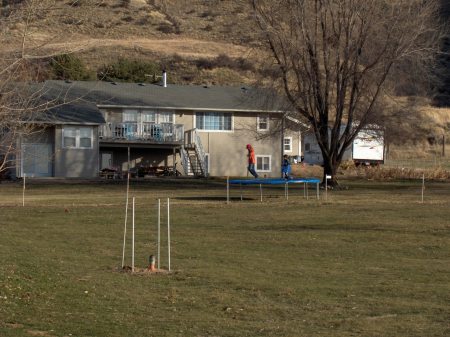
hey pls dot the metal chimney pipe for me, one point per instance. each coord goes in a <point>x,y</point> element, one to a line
<point>164,78</point>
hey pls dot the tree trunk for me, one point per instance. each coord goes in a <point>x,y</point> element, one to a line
<point>330,169</point>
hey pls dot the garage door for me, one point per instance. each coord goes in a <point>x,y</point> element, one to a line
<point>37,160</point>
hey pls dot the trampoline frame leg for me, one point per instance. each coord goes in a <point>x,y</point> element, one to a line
<point>228,190</point>
<point>240,186</point>
<point>307,192</point>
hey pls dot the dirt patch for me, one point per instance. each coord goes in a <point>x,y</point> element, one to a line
<point>14,325</point>
<point>39,333</point>
<point>143,271</point>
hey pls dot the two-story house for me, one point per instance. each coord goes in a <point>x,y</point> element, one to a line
<point>198,130</point>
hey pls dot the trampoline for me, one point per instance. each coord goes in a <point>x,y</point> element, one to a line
<point>275,181</point>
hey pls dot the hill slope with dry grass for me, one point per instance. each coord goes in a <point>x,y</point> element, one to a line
<point>197,41</point>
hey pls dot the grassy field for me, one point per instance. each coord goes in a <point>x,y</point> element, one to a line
<point>372,260</point>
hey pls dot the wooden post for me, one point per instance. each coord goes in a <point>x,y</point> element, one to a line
<point>132,240</point>
<point>423,185</point>
<point>159,233</point>
<point>168,231</point>
<point>23,191</point>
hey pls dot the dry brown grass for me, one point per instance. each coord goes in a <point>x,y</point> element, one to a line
<point>305,171</point>
<point>385,173</point>
<point>381,172</point>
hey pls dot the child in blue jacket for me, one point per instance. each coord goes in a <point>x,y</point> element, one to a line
<point>286,167</point>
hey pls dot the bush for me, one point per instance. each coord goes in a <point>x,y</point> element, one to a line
<point>166,28</point>
<point>125,3</point>
<point>125,70</point>
<point>173,27</point>
<point>70,67</point>
<point>224,61</point>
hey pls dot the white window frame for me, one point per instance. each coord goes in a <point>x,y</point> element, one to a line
<point>128,112</point>
<point>77,137</point>
<point>217,112</point>
<point>148,113</point>
<point>259,121</point>
<point>263,156</point>
<point>290,144</point>
<point>168,112</point>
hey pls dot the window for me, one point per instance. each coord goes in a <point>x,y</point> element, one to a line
<point>213,121</point>
<point>130,116</point>
<point>85,137</point>
<point>77,137</point>
<point>263,163</point>
<point>148,116</point>
<point>263,123</point>
<point>307,147</point>
<point>287,144</point>
<point>165,117</point>
<point>70,137</point>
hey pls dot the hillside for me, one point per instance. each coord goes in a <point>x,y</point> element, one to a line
<point>101,31</point>
<point>197,41</point>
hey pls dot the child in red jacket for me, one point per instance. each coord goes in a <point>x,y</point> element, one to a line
<point>251,161</point>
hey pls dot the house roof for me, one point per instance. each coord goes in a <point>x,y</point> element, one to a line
<point>73,113</point>
<point>56,105</point>
<point>176,97</point>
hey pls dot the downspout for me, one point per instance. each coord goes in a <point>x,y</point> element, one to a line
<point>98,151</point>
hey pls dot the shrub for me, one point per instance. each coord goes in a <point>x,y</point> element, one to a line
<point>128,18</point>
<point>224,61</point>
<point>208,14</point>
<point>70,67</point>
<point>166,28</point>
<point>125,3</point>
<point>208,28</point>
<point>171,27</point>
<point>125,70</point>
<point>205,63</point>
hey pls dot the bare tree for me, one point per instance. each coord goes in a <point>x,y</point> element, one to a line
<point>334,58</point>
<point>25,42</point>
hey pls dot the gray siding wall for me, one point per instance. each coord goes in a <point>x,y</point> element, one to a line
<point>76,163</point>
<point>42,136</point>
<point>226,149</point>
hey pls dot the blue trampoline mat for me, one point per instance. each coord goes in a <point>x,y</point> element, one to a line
<point>274,181</point>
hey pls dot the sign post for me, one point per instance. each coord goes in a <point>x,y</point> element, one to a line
<point>326,186</point>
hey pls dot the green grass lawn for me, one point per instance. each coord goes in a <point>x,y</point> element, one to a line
<point>372,260</point>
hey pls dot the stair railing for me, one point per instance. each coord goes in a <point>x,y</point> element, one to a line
<point>185,161</point>
<point>200,152</point>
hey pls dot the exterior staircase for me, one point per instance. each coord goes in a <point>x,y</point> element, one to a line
<point>192,155</point>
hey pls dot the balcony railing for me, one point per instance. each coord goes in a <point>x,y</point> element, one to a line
<point>152,132</point>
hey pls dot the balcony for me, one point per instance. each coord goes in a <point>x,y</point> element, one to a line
<point>142,132</point>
